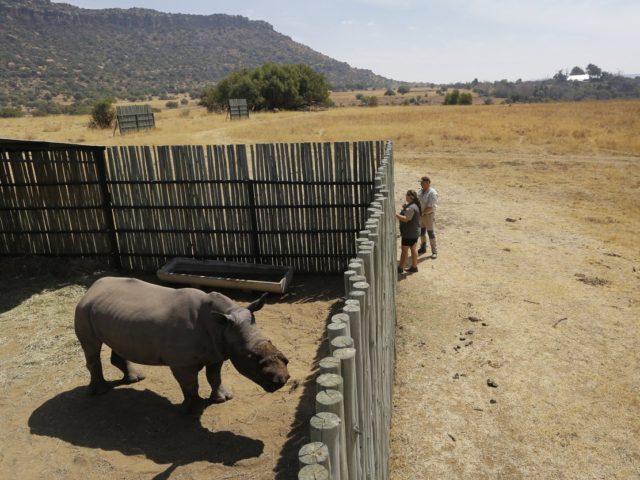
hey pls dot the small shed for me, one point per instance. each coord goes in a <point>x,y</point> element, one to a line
<point>238,108</point>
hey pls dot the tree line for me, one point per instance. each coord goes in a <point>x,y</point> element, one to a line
<point>601,85</point>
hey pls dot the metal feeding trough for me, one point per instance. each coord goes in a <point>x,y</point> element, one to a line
<point>216,273</point>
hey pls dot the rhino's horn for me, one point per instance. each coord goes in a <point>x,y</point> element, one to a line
<point>257,304</point>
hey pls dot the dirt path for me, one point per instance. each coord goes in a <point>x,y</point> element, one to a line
<point>530,294</point>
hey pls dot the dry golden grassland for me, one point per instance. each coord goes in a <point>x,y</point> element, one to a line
<point>426,95</point>
<point>589,128</point>
<point>556,288</point>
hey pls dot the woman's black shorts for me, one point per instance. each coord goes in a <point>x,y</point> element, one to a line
<point>409,242</point>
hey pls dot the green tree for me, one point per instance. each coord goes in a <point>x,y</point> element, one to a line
<point>402,89</point>
<point>271,86</point>
<point>465,99</point>
<point>594,71</point>
<point>560,76</point>
<point>576,71</point>
<point>451,98</point>
<point>103,114</point>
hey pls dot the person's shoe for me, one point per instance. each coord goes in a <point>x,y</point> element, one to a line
<point>434,255</point>
<point>422,249</point>
<point>400,270</point>
<point>412,269</point>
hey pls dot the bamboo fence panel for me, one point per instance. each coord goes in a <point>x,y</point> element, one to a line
<point>51,202</point>
<point>284,204</point>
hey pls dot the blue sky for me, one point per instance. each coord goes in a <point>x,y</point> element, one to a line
<point>444,41</point>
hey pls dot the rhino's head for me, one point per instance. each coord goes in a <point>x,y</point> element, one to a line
<point>251,353</point>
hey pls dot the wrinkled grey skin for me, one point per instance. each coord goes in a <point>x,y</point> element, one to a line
<point>185,329</point>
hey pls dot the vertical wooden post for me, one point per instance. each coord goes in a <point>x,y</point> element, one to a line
<point>333,401</point>
<point>101,166</point>
<point>347,358</point>
<point>314,472</point>
<point>314,453</point>
<point>251,196</point>
<point>325,428</point>
<point>329,365</point>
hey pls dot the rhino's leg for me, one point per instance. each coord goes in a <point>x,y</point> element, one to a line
<point>187,377</point>
<point>219,393</point>
<point>131,374</point>
<point>92,346</point>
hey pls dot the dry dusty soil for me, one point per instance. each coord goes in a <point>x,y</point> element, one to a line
<point>51,429</point>
<point>536,291</point>
<point>517,349</point>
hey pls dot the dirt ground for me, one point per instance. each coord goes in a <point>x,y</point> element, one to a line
<point>52,429</point>
<point>536,291</point>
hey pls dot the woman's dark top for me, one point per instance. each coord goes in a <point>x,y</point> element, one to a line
<point>410,229</point>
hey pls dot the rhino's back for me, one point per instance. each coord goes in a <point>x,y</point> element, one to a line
<point>147,323</point>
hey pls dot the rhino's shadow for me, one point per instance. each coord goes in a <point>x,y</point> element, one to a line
<point>136,422</point>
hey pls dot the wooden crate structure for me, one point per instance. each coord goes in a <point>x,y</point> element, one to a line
<point>132,118</point>
<point>238,108</point>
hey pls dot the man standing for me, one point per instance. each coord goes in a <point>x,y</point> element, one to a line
<point>428,201</point>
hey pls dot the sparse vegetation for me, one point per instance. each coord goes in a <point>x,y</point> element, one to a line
<point>165,54</point>
<point>103,114</point>
<point>455,97</point>
<point>11,112</point>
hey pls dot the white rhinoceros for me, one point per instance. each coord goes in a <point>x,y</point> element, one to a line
<point>185,329</point>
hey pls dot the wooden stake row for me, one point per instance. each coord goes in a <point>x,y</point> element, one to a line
<point>354,401</point>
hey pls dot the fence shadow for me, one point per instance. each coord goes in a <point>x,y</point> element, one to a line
<point>137,422</point>
<point>23,277</point>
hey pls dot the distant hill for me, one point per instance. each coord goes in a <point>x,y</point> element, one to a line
<point>58,51</point>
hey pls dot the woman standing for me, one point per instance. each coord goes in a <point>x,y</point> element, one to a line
<point>409,218</point>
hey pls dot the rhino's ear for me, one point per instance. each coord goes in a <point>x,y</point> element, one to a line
<point>220,318</point>
<point>257,304</point>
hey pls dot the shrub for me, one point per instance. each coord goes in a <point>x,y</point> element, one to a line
<point>456,98</point>
<point>11,112</point>
<point>451,98</point>
<point>389,93</point>
<point>171,104</point>
<point>465,99</point>
<point>369,101</point>
<point>184,101</point>
<point>403,89</point>
<point>103,114</point>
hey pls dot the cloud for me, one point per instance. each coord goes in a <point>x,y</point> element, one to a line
<point>389,3</point>
<point>347,22</point>
<point>594,17</point>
